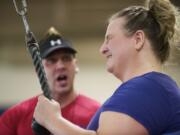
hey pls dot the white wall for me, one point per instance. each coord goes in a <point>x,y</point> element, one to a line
<point>19,83</point>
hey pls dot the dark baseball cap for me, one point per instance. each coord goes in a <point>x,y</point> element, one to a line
<point>53,41</point>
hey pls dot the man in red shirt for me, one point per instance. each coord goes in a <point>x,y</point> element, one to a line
<point>58,58</point>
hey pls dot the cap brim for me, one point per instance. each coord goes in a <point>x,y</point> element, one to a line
<point>45,54</point>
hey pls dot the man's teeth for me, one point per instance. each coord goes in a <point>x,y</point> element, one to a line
<point>63,77</point>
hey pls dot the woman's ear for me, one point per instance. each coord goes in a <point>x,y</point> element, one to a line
<point>139,38</point>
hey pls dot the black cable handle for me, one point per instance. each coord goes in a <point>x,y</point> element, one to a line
<point>37,61</point>
<point>33,49</point>
<point>35,54</point>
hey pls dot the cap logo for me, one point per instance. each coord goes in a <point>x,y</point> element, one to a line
<point>57,42</point>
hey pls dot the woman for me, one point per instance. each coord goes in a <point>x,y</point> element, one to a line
<point>137,43</point>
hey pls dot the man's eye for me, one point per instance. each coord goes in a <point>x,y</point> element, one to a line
<point>66,58</point>
<point>51,61</point>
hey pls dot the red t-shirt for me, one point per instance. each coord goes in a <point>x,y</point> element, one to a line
<point>17,120</point>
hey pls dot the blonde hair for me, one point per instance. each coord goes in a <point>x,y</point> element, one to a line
<point>159,21</point>
<point>53,31</point>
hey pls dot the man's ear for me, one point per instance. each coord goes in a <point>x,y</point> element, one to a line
<point>76,68</point>
<point>139,39</point>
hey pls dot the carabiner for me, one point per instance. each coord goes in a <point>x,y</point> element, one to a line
<point>23,9</point>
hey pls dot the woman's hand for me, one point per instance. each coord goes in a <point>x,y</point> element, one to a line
<point>46,111</point>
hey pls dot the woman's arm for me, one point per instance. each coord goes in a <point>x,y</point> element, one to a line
<point>64,127</point>
<point>47,114</point>
<point>110,123</point>
<point>116,123</point>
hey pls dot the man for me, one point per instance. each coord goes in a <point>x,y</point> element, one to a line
<point>60,65</point>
